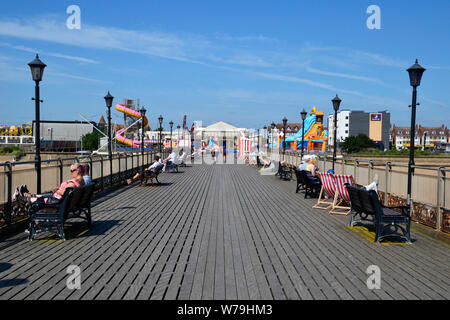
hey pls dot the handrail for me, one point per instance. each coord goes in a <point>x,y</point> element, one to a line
<point>433,210</point>
<point>7,207</point>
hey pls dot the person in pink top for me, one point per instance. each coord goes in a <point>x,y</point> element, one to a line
<point>77,172</point>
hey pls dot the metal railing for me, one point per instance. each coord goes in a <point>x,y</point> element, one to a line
<point>55,171</point>
<point>430,191</point>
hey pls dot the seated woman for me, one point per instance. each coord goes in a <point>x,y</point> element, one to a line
<point>311,171</point>
<point>156,163</point>
<point>77,171</point>
<point>87,177</point>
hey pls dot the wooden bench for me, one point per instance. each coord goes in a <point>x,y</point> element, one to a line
<point>387,220</point>
<point>300,181</point>
<point>310,188</point>
<point>171,167</point>
<point>148,174</point>
<point>283,172</point>
<point>75,203</point>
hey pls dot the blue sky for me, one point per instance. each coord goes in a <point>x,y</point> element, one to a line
<point>245,62</point>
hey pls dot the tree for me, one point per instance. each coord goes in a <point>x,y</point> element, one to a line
<point>91,140</point>
<point>356,144</point>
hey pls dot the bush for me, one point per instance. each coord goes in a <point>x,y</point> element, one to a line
<point>91,140</point>
<point>359,143</point>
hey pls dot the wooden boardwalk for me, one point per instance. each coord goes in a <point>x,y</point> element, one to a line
<point>219,232</point>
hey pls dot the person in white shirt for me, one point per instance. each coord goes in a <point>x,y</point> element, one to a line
<point>304,163</point>
<point>170,160</point>
<point>156,163</point>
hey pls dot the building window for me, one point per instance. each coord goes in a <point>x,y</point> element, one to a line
<point>346,131</point>
<point>399,132</point>
<point>346,124</point>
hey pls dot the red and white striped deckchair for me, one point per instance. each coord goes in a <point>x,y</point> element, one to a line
<point>328,189</point>
<point>342,194</point>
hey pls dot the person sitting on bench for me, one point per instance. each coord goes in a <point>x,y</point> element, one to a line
<point>302,166</point>
<point>156,163</point>
<point>311,171</point>
<point>77,171</point>
<point>87,177</point>
<point>170,160</point>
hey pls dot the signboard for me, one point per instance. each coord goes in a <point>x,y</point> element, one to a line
<point>375,126</point>
<point>375,117</point>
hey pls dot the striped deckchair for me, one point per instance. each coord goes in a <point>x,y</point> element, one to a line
<point>329,189</point>
<point>342,194</point>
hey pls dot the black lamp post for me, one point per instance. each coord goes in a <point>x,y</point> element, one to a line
<point>160,119</point>
<point>415,76</point>
<point>303,114</point>
<point>336,103</point>
<point>171,126</point>
<point>178,135</point>
<point>258,139</point>
<point>284,136</point>
<point>142,111</point>
<point>37,71</point>
<point>109,101</point>
<point>273,125</point>
<point>266,136</point>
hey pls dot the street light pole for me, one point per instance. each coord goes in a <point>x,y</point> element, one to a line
<point>171,125</point>
<point>37,71</point>
<point>142,111</point>
<point>271,135</point>
<point>336,103</point>
<point>266,136</point>
<point>415,76</point>
<point>284,137</point>
<point>178,136</point>
<point>109,100</point>
<point>303,114</point>
<point>160,119</point>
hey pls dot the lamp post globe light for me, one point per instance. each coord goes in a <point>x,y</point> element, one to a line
<point>160,119</point>
<point>284,136</point>
<point>415,76</point>
<point>171,126</point>
<point>303,114</point>
<point>336,103</point>
<point>142,112</point>
<point>37,71</point>
<point>109,101</point>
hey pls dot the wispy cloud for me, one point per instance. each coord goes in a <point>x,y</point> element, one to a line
<point>343,75</point>
<point>57,55</point>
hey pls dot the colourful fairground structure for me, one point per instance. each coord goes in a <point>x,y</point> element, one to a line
<point>315,138</point>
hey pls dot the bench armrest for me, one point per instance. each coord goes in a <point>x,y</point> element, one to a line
<point>405,209</point>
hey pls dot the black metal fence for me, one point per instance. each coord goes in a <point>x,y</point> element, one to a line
<point>55,171</point>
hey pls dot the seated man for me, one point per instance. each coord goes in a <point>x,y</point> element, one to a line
<point>156,163</point>
<point>170,160</point>
<point>181,157</point>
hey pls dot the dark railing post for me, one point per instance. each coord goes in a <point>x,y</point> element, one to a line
<point>8,211</point>
<point>120,175</point>
<point>61,173</point>
<point>101,169</point>
<point>91,166</point>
